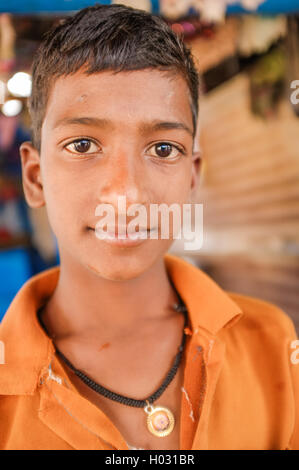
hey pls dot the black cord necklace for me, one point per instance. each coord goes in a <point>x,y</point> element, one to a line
<point>160,420</point>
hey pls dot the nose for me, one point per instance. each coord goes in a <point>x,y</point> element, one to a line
<point>125,178</point>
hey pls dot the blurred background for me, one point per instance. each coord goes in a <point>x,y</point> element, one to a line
<point>248,56</point>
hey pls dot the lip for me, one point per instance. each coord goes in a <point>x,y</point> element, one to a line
<point>128,238</point>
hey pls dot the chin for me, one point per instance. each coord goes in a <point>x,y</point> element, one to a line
<point>122,268</point>
<point>117,273</point>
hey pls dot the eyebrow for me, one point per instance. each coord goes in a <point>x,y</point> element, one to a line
<point>105,123</point>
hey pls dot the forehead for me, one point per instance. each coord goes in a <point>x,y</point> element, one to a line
<point>125,97</point>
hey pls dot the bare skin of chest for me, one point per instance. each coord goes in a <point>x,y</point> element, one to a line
<point>134,366</point>
<point>131,421</point>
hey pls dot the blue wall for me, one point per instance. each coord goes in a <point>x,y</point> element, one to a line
<point>17,265</point>
<point>15,269</point>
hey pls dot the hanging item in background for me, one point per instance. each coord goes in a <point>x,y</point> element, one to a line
<point>13,225</point>
<point>250,4</point>
<point>267,80</point>
<point>7,42</point>
<point>12,134</point>
<point>211,11</point>
<point>8,127</point>
<point>175,9</point>
<point>258,33</point>
<point>139,4</point>
<point>215,10</point>
<point>192,27</point>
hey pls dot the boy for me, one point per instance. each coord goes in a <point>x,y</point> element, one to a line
<point>90,344</point>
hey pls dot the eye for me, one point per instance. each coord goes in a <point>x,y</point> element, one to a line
<point>82,146</point>
<point>166,150</point>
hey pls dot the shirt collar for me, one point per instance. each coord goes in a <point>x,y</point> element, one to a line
<point>28,350</point>
<point>209,306</point>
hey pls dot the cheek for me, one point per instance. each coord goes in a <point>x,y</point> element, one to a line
<point>177,190</point>
<point>64,196</point>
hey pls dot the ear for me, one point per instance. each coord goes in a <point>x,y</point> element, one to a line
<point>196,169</point>
<point>31,175</point>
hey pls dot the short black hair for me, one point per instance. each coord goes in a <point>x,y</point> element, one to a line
<point>108,37</point>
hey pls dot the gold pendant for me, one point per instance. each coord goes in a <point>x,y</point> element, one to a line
<point>160,420</point>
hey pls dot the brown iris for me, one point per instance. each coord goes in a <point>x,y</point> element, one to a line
<point>163,150</point>
<point>82,145</point>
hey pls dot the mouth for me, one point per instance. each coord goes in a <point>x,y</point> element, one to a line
<point>122,237</point>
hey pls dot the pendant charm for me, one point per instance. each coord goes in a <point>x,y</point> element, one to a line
<point>160,420</point>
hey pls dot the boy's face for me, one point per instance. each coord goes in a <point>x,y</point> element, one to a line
<point>116,122</point>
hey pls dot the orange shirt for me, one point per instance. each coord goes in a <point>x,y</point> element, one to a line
<point>241,377</point>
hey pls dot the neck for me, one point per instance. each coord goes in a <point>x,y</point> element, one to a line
<point>85,302</point>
